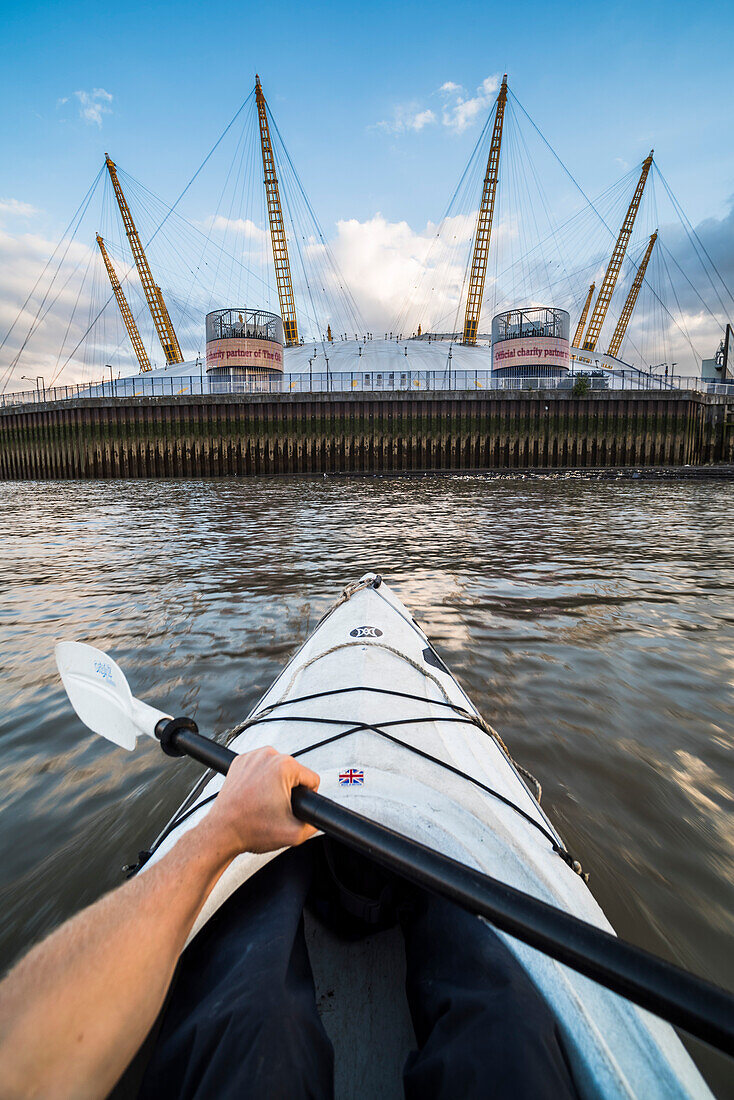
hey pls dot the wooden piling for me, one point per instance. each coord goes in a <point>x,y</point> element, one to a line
<point>361,433</point>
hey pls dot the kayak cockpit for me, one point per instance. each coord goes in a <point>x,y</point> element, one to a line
<point>360,996</point>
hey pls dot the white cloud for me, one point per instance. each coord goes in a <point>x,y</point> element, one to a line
<point>242,227</point>
<point>423,118</point>
<point>407,116</point>
<point>55,316</point>
<point>460,112</point>
<point>22,260</point>
<point>401,275</point>
<point>391,268</point>
<point>397,274</point>
<point>92,105</point>
<point>14,208</point>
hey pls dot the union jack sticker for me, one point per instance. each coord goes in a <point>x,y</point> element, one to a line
<point>351,778</point>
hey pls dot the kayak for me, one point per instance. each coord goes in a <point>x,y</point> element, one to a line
<point>368,703</point>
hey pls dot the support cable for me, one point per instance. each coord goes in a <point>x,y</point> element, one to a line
<point>349,298</point>
<point>77,217</point>
<point>692,234</point>
<point>160,226</point>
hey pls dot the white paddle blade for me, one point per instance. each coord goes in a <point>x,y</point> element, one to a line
<point>100,695</point>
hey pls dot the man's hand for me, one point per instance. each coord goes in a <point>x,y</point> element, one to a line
<point>252,812</point>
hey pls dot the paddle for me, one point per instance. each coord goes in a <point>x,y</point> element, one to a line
<point>102,698</point>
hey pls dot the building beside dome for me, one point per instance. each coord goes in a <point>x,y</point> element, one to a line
<point>533,342</point>
<point>243,344</point>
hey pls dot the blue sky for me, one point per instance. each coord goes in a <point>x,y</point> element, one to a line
<point>604,83</point>
<point>363,97</point>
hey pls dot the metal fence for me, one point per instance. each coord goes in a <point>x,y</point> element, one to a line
<point>142,385</point>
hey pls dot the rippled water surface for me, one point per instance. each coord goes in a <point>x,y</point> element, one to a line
<point>592,623</point>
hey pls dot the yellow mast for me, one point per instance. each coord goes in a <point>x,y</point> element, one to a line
<point>629,305</point>
<point>610,277</point>
<point>132,328</point>
<point>154,298</point>
<point>168,322</point>
<point>484,225</point>
<point>584,315</point>
<point>277,228</point>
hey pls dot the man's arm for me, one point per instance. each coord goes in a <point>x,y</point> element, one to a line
<point>75,1010</point>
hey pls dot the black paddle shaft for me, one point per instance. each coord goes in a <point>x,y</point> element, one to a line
<point>702,1009</point>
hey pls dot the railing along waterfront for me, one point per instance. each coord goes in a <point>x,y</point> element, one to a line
<point>356,381</point>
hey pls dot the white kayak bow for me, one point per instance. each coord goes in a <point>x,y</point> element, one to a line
<point>100,695</point>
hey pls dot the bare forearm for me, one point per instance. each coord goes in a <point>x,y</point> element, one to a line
<point>76,1008</point>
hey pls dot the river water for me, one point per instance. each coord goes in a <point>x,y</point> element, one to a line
<point>591,622</point>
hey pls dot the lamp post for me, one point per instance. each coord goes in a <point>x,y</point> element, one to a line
<point>36,380</point>
<point>657,367</point>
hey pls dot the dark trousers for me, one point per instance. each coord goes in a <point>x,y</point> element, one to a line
<point>242,1021</point>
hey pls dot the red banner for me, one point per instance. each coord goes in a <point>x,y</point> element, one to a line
<point>532,351</point>
<point>244,353</point>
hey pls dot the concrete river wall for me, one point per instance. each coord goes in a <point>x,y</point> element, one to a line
<point>234,434</point>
